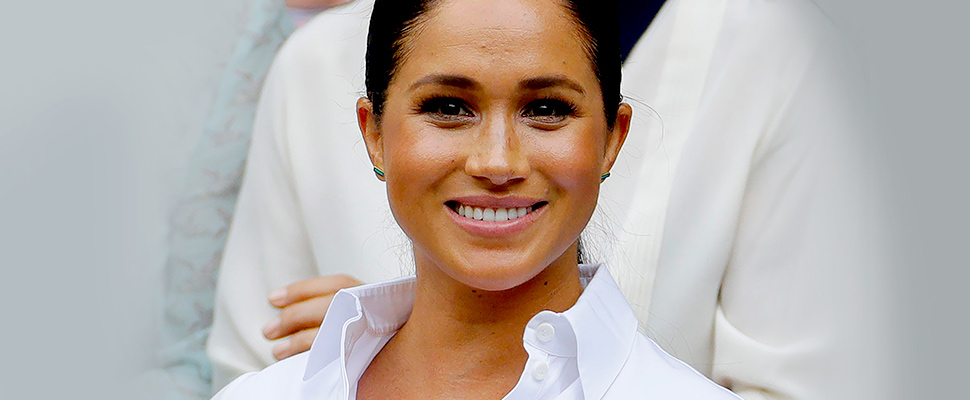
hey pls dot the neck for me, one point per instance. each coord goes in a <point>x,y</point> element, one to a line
<point>458,336</point>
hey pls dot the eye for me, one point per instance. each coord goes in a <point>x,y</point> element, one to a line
<point>448,109</point>
<point>549,111</point>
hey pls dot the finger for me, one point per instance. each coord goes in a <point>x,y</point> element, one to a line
<point>297,317</point>
<point>295,344</point>
<point>310,288</point>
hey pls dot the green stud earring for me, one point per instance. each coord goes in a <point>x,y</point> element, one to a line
<point>380,174</point>
<point>604,176</point>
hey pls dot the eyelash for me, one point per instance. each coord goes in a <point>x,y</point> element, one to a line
<point>561,107</point>
<point>432,106</point>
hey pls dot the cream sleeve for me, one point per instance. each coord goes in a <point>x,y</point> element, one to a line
<point>268,246</point>
<point>799,311</point>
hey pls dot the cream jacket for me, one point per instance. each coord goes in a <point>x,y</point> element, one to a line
<point>730,221</point>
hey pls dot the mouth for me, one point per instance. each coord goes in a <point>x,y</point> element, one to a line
<point>493,214</point>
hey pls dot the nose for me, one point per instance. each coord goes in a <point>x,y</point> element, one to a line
<point>496,154</point>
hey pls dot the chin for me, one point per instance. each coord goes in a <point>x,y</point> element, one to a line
<point>499,284</point>
<point>497,274</point>
<point>495,282</point>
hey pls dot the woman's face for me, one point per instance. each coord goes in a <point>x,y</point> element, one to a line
<point>493,140</point>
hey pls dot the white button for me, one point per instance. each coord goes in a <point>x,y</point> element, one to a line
<point>540,370</point>
<point>545,332</point>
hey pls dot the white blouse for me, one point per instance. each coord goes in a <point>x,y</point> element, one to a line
<point>591,351</point>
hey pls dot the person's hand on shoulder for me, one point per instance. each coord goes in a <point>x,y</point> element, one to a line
<point>302,307</point>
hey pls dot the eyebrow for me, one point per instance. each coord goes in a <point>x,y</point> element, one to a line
<point>463,82</point>
<point>457,81</point>
<point>551,81</point>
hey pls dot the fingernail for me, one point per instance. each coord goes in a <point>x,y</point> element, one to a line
<point>271,327</point>
<point>281,349</point>
<point>277,295</point>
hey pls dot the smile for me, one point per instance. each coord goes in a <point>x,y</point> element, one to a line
<point>488,214</point>
<point>494,218</point>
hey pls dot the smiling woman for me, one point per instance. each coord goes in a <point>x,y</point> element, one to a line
<point>530,131</point>
<point>493,124</point>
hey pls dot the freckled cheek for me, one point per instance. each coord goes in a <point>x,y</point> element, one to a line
<point>574,165</point>
<point>417,159</point>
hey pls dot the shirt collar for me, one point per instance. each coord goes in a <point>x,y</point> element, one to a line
<point>605,328</point>
<point>384,307</point>
<point>601,325</point>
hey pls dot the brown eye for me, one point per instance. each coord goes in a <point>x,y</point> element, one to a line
<point>548,111</point>
<point>446,107</point>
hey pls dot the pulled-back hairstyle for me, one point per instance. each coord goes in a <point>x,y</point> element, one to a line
<point>393,22</point>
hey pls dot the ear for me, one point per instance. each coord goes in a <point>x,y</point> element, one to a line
<point>367,121</point>
<point>617,136</point>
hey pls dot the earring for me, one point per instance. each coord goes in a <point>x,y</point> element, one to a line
<point>604,176</point>
<point>380,174</point>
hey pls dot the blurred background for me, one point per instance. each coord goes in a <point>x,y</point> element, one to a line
<point>102,102</point>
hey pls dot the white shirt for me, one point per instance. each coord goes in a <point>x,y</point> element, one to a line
<point>591,351</point>
<point>725,227</point>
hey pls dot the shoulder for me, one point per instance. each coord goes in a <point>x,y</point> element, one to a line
<point>797,31</point>
<point>280,381</point>
<point>336,37</point>
<point>781,18</point>
<point>651,370</point>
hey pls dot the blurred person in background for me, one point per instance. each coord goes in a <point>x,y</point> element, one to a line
<point>731,220</point>
<point>201,220</point>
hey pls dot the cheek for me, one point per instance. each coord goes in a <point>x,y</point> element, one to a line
<point>416,159</point>
<point>573,160</point>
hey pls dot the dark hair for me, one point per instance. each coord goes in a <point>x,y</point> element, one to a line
<point>393,21</point>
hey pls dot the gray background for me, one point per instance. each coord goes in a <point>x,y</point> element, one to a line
<point>101,101</point>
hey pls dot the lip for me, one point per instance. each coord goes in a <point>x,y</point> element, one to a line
<point>496,229</point>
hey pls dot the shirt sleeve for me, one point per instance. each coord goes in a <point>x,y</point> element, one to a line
<point>798,315</point>
<point>267,247</point>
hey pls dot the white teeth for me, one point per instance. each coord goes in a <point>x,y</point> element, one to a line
<point>492,214</point>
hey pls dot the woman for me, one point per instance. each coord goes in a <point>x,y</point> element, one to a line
<point>493,124</point>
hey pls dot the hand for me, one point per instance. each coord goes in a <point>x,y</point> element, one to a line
<point>303,306</point>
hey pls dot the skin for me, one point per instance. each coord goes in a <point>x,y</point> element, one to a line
<point>501,130</point>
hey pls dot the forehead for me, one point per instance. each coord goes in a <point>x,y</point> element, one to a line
<point>511,39</point>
